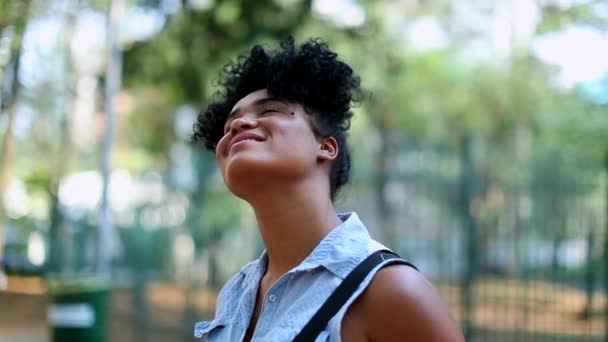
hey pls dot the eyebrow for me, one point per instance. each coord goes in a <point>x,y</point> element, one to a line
<point>256,103</point>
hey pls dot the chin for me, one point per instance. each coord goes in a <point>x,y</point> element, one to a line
<point>242,165</point>
<point>245,176</point>
<point>244,188</point>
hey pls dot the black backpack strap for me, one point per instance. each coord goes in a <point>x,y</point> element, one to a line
<point>343,292</point>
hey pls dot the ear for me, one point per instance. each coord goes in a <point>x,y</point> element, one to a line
<point>328,148</point>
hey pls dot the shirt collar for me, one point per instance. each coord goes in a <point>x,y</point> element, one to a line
<point>254,271</point>
<point>339,251</point>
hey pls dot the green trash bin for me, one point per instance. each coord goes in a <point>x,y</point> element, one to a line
<point>79,311</point>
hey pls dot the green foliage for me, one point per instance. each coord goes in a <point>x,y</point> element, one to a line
<point>13,12</point>
<point>153,120</point>
<point>195,43</point>
<point>586,13</point>
<point>223,212</point>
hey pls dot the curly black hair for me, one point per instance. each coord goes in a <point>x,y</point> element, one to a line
<point>310,75</point>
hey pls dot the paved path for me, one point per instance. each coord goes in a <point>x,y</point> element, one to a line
<point>23,317</point>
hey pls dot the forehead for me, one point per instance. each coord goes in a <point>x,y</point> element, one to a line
<point>250,99</point>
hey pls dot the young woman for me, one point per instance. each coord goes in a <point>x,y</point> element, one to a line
<point>278,128</point>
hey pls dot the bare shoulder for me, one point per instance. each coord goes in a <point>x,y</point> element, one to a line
<point>399,305</point>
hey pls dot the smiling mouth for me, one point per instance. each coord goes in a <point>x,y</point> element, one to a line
<point>245,138</point>
<point>243,141</point>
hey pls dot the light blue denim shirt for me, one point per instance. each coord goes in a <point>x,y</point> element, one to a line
<point>297,295</point>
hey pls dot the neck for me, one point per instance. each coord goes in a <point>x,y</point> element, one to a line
<point>292,222</point>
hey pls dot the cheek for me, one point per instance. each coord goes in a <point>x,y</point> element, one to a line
<point>299,147</point>
<point>220,149</point>
<point>296,133</point>
<point>220,156</point>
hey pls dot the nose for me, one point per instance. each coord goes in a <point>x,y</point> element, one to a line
<point>242,123</point>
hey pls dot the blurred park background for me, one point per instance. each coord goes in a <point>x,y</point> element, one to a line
<point>480,154</point>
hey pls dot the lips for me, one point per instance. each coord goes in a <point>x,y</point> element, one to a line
<point>245,136</point>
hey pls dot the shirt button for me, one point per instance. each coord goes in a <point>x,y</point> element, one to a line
<point>272,298</point>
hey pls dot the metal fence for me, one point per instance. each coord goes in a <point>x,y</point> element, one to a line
<point>518,258</point>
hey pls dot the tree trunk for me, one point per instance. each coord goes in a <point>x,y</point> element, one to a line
<point>467,193</point>
<point>62,153</point>
<point>10,104</point>
<point>606,242</point>
<point>589,270</point>
<point>381,181</point>
<point>7,150</point>
<point>113,80</point>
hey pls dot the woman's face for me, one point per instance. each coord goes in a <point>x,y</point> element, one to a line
<point>266,140</point>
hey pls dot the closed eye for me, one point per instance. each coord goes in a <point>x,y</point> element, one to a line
<point>268,111</point>
<point>264,112</point>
